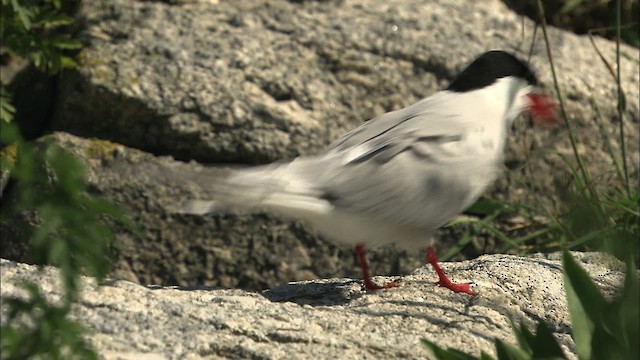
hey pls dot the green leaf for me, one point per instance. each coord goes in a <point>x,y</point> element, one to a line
<point>53,337</point>
<point>585,303</point>
<point>65,42</point>
<point>71,173</point>
<point>67,62</point>
<point>41,240</point>
<point>525,338</point>
<point>449,354</point>
<point>23,14</point>
<point>546,346</point>
<point>506,351</point>
<point>58,253</point>
<point>623,318</point>
<point>70,231</point>
<point>622,102</point>
<point>9,133</point>
<point>485,356</point>
<point>458,246</point>
<point>54,20</point>
<point>6,109</point>
<point>570,5</point>
<point>486,206</point>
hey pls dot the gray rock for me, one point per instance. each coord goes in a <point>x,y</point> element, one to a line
<point>323,319</point>
<point>259,81</point>
<point>253,82</point>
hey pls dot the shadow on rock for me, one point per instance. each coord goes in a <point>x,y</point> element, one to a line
<point>317,293</point>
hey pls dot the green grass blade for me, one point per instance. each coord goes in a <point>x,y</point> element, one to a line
<point>628,311</point>
<point>439,353</point>
<point>506,351</point>
<point>607,140</point>
<point>546,346</point>
<point>585,304</point>
<point>584,172</point>
<point>621,100</point>
<point>525,338</point>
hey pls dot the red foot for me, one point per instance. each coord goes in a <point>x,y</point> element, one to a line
<point>444,281</point>
<point>368,284</point>
<point>371,286</point>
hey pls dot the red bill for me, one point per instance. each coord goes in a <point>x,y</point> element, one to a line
<point>543,111</point>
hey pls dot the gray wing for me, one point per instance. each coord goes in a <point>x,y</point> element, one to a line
<point>433,128</point>
<point>409,166</point>
<point>379,127</point>
<point>425,128</point>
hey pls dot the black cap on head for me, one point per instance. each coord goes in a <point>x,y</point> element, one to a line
<point>489,67</point>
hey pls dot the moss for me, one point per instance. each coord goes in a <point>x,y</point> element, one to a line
<point>86,58</point>
<point>101,149</point>
<point>95,64</point>
<point>9,155</point>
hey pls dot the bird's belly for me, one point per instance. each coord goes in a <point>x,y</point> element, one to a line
<point>446,196</point>
<point>352,229</point>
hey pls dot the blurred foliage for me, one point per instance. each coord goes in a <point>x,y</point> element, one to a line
<point>71,234</point>
<point>44,330</point>
<point>30,28</point>
<point>6,109</point>
<point>590,217</point>
<point>602,329</point>
<point>541,345</point>
<point>71,226</point>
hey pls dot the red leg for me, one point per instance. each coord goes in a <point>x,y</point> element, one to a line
<point>368,284</point>
<point>444,281</point>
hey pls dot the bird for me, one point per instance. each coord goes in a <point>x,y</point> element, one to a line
<point>398,177</point>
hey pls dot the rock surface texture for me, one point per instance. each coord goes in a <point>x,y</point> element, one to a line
<point>323,319</point>
<point>256,81</point>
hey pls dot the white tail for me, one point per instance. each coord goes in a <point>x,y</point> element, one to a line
<point>276,187</point>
